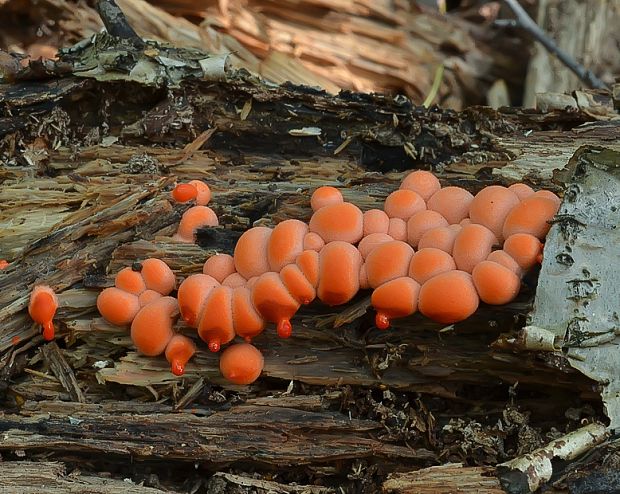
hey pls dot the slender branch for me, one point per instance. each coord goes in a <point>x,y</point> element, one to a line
<point>525,22</point>
<point>115,21</point>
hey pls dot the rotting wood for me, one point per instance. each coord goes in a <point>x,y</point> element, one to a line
<point>226,483</point>
<point>355,45</point>
<point>263,435</point>
<point>444,479</point>
<point>47,477</point>
<point>62,370</point>
<point>252,186</point>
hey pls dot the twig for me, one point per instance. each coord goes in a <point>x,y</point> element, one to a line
<point>435,87</point>
<point>115,21</point>
<point>525,22</point>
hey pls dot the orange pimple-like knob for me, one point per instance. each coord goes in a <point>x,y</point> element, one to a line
<point>429,262</point>
<point>371,242</point>
<point>491,206</point>
<point>148,296</point>
<point>375,221</point>
<point>216,323</point>
<point>158,276</point>
<point>203,195</point>
<point>422,182</point>
<point>178,352</point>
<point>4,264</point>
<point>472,245</point>
<point>496,284</point>
<point>273,301</point>
<point>129,280</point>
<point>308,262</point>
<point>394,299</point>
<point>192,295</point>
<point>117,306</point>
<point>343,222</point>
<point>297,284</point>
<point>403,203</point>
<point>194,218</point>
<point>521,190</point>
<point>398,229</point>
<point>452,203</point>
<point>449,297</point>
<point>42,308</point>
<point>325,196</point>
<point>422,222</point>
<point>151,329</point>
<point>524,248</point>
<point>387,262</point>
<point>247,322</point>
<point>340,264</point>
<point>184,193</point>
<point>251,252</point>
<point>313,241</point>
<point>440,238</point>
<point>219,266</point>
<point>241,363</point>
<point>531,216</point>
<point>285,243</point>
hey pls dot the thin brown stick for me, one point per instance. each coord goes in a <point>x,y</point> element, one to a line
<point>115,21</point>
<point>525,22</point>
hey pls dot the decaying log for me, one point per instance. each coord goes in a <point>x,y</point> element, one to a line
<point>90,160</point>
<point>276,436</point>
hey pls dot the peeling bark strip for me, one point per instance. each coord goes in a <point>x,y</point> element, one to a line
<point>577,301</point>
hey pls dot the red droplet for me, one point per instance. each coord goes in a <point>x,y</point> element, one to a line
<point>48,331</point>
<point>284,328</point>
<point>214,346</point>
<point>178,369</point>
<point>382,321</point>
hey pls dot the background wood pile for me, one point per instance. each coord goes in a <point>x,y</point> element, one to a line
<point>85,174</point>
<point>382,46</point>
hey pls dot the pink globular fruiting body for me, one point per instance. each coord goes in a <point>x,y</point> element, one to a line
<point>437,251</point>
